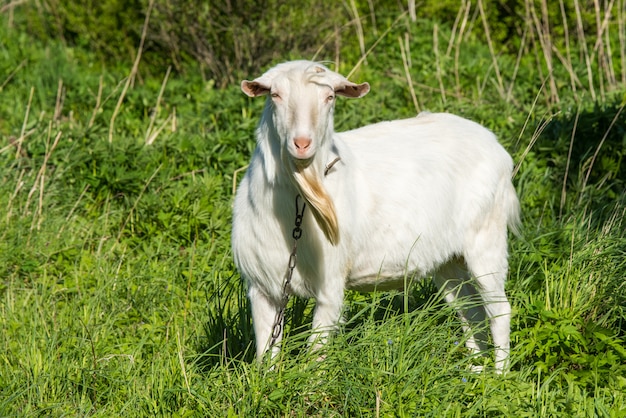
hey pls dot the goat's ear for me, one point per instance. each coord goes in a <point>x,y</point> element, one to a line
<point>255,88</point>
<point>349,89</point>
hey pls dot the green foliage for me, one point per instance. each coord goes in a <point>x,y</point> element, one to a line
<point>240,37</point>
<point>587,353</point>
<point>222,36</point>
<point>506,18</point>
<point>593,160</point>
<point>118,295</point>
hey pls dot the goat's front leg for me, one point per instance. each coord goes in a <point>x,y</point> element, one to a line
<point>328,306</point>
<point>264,313</point>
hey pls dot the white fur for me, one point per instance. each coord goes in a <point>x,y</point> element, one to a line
<point>431,194</point>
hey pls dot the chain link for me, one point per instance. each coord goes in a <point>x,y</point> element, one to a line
<point>277,329</point>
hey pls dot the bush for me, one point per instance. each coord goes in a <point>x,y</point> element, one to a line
<point>236,38</point>
<point>227,38</point>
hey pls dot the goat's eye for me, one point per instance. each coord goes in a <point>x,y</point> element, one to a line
<point>275,96</point>
<point>330,98</point>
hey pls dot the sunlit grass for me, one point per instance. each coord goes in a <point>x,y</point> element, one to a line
<point>118,295</point>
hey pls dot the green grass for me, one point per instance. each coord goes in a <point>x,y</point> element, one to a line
<point>118,295</point>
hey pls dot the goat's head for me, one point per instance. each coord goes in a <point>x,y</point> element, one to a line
<point>302,98</point>
<point>300,104</point>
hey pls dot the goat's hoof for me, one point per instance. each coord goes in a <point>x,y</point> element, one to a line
<point>477,369</point>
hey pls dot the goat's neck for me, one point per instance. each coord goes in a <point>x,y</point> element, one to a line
<point>281,170</point>
<point>309,180</point>
<point>268,153</point>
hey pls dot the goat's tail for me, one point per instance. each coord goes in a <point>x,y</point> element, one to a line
<point>321,205</point>
<point>511,207</point>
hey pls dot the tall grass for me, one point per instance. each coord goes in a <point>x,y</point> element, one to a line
<point>118,295</point>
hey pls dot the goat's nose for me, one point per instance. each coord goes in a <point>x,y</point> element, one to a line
<point>302,143</point>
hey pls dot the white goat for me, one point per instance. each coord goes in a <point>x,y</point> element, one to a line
<point>427,196</point>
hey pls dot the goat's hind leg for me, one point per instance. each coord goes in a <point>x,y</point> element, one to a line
<point>454,280</point>
<point>498,309</point>
<point>486,259</point>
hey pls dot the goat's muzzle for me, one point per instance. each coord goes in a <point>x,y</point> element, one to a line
<point>302,146</point>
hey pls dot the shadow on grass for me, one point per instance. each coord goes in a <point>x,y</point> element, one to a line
<point>228,333</point>
<point>582,151</point>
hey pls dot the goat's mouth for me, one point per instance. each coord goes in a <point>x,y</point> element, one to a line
<point>302,158</point>
<point>302,162</point>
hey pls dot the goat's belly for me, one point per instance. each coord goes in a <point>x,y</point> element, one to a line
<point>391,263</point>
<point>389,275</point>
<point>376,283</point>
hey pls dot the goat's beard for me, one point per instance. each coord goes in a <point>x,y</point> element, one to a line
<point>309,182</point>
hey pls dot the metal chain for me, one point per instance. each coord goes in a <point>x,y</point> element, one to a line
<point>277,328</point>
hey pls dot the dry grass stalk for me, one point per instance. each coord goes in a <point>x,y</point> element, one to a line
<point>22,133</point>
<point>336,36</point>
<point>545,121</point>
<point>150,134</point>
<point>98,100</point>
<point>457,20</point>
<point>40,180</point>
<point>235,173</point>
<point>407,73</point>
<point>595,154</point>
<point>610,69</point>
<point>10,6</point>
<point>358,64</point>
<point>174,126</point>
<point>455,41</point>
<point>438,62</point>
<point>69,215</point>
<point>407,48</point>
<point>518,61</point>
<point>60,99</point>
<point>603,51</point>
<point>621,31</point>
<point>359,28</point>
<point>133,72</point>
<point>337,47</point>
<point>533,140</point>
<point>547,46</point>
<point>412,13</point>
<point>542,30</point>
<point>12,74</point>
<point>153,134</point>
<point>132,210</point>
<point>583,44</point>
<point>18,186</point>
<point>567,60</point>
<point>494,57</point>
<point>569,158</point>
<point>181,361</point>
<point>370,4</point>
